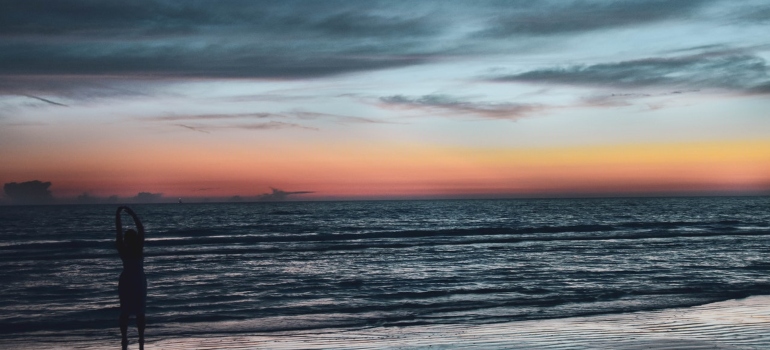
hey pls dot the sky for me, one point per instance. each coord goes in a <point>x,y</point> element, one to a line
<point>385,99</point>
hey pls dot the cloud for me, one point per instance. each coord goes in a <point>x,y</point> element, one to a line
<point>344,119</point>
<point>84,48</point>
<point>153,18</point>
<point>453,105</point>
<point>559,17</point>
<point>355,23</point>
<point>46,100</point>
<point>30,192</point>
<point>722,70</point>
<point>214,116</point>
<point>147,197</point>
<point>761,89</point>
<point>290,40</point>
<point>271,125</point>
<point>228,121</point>
<point>86,198</point>
<point>279,195</point>
<point>193,128</point>
<point>256,39</point>
<point>624,99</point>
<point>753,13</point>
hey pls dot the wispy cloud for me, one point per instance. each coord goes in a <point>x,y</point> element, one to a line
<point>625,99</point>
<point>458,106</point>
<point>344,119</point>
<point>215,116</point>
<point>271,125</point>
<point>739,72</point>
<point>193,128</point>
<point>206,123</point>
<point>46,100</point>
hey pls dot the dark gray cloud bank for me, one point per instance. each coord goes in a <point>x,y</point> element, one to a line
<point>28,192</point>
<point>562,17</point>
<point>282,39</point>
<point>81,48</point>
<point>258,39</point>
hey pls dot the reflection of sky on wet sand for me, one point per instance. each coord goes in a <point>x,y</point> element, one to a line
<point>733,324</point>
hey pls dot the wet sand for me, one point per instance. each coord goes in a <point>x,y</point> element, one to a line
<point>733,324</point>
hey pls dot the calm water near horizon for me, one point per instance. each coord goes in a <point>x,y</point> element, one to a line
<point>258,267</point>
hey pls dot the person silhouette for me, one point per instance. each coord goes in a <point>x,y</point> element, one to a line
<point>132,286</point>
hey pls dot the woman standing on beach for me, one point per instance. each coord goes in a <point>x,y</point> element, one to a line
<point>132,286</point>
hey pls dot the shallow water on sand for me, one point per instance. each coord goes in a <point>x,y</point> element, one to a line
<point>733,324</point>
<point>250,268</point>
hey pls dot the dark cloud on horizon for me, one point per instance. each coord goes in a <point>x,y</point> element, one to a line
<point>29,192</point>
<point>457,106</point>
<point>86,198</point>
<point>731,71</point>
<point>279,195</point>
<point>286,40</point>
<point>147,197</point>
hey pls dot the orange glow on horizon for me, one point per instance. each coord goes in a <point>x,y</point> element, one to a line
<point>408,170</point>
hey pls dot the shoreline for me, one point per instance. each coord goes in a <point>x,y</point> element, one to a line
<point>732,324</point>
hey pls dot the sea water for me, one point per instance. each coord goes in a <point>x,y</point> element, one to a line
<point>225,268</point>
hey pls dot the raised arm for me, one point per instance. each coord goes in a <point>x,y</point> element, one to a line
<point>137,222</point>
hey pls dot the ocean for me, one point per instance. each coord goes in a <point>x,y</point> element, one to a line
<point>256,268</point>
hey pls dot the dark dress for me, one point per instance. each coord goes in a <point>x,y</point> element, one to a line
<point>132,286</point>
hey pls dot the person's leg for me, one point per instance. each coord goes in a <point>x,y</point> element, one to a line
<point>140,324</point>
<point>124,329</point>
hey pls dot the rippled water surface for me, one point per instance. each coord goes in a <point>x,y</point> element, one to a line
<point>256,267</point>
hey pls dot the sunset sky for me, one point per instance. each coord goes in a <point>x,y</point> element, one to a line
<point>386,99</point>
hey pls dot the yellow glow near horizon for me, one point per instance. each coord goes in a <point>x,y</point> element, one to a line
<point>408,169</point>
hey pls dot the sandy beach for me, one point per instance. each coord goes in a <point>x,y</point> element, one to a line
<point>733,324</point>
